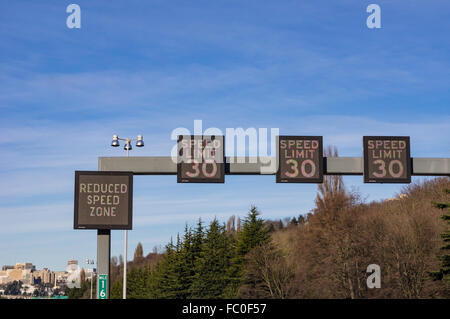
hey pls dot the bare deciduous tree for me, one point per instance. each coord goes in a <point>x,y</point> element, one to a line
<point>267,273</point>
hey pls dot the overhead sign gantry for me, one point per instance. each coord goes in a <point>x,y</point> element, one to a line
<point>102,196</point>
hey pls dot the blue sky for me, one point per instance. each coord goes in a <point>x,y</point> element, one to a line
<point>135,67</point>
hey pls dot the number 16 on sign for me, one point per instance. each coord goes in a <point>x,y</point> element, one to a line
<point>102,286</point>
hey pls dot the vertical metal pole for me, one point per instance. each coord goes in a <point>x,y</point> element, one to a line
<point>92,278</point>
<point>125,250</point>
<point>125,267</point>
<point>103,257</point>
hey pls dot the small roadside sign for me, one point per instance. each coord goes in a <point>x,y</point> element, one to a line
<point>103,286</point>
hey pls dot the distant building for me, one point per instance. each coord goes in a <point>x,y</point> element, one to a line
<point>6,267</point>
<point>72,262</point>
<point>90,272</point>
<point>26,273</point>
<point>4,278</point>
<point>21,271</point>
<point>400,196</point>
<point>25,266</point>
<point>60,279</point>
<point>47,276</point>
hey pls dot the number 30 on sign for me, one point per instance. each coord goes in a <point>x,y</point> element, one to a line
<point>201,159</point>
<point>300,159</point>
<point>387,159</point>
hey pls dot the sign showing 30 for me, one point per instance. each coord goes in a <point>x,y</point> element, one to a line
<point>201,159</point>
<point>303,170</point>
<point>300,159</point>
<point>395,169</point>
<point>196,171</point>
<point>387,159</point>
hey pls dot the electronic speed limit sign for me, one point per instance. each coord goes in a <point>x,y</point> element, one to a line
<point>300,159</point>
<point>387,159</point>
<point>201,159</point>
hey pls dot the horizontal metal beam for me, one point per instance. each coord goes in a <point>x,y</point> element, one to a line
<point>146,165</point>
<point>431,166</point>
<point>163,165</point>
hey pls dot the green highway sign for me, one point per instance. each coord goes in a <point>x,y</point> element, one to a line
<point>102,286</point>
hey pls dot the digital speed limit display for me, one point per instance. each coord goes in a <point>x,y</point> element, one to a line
<point>300,159</point>
<point>201,159</point>
<point>387,159</point>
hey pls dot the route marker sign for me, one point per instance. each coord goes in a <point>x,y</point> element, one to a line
<point>201,159</point>
<point>103,200</point>
<point>300,159</point>
<point>102,286</point>
<point>387,159</point>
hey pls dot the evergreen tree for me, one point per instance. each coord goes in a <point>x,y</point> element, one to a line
<point>444,273</point>
<point>139,252</point>
<point>197,240</point>
<point>189,256</point>
<point>205,264</point>
<point>166,280</point>
<point>137,283</point>
<point>301,220</point>
<point>116,291</point>
<point>72,293</point>
<point>294,221</point>
<point>211,277</point>
<point>253,233</point>
<point>174,288</point>
<point>280,224</point>
<point>186,263</point>
<point>160,279</point>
